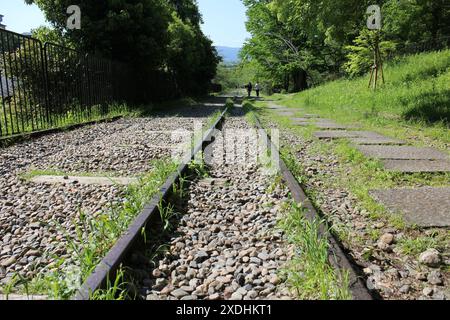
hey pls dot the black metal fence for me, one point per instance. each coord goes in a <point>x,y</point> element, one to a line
<point>47,85</point>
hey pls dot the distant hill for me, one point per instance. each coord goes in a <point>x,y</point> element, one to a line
<point>229,55</point>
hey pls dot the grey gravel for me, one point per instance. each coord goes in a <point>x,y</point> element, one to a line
<point>227,243</point>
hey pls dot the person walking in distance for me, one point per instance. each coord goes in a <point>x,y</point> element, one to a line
<point>249,89</point>
<point>257,89</point>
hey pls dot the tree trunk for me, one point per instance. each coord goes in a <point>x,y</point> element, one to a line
<point>300,80</point>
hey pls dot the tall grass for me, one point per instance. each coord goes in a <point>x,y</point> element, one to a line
<point>309,273</point>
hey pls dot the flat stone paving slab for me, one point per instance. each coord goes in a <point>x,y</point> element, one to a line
<point>402,152</point>
<point>286,114</point>
<point>306,119</point>
<point>425,207</point>
<point>412,166</point>
<point>103,181</point>
<point>341,134</point>
<point>334,126</point>
<point>377,141</point>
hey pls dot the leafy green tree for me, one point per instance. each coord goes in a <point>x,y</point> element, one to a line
<point>322,39</point>
<point>150,35</point>
<point>361,52</point>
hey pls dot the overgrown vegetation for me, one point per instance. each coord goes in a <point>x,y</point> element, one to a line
<point>297,44</point>
<point>309,272</point>
<point>413,105</point>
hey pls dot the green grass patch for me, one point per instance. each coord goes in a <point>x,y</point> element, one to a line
<point>419,244</point>
<point>309,273</point>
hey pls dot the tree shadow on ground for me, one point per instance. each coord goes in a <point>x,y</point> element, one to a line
<point>430,107</point>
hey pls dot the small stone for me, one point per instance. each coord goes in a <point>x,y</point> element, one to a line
<point>383,246</point>
<point>201,256</point>
<point>263,256</point>
<point>214,296</point>
<point>439,295</point>
<point>252,295</point>
<point>160,284</point>
<point>387,238</point>
<point>240,279</point>
<point>166,290</point>
<point>33,253</point>
<point>8,262</point>
<point>179,293</point>
<point>35,225</point>
<point>367,271</point>
<point>242,291</point>
<point>427,291</point>
<point>422,276</point>
<point>187,288</point>
<point>236,296</point>
<point>405,289</point>
<point>431,258</point>
<point>275,280</point>
<point>435,278</point>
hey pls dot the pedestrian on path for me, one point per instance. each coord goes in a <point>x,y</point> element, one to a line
<point>249,89</point>
<point>257,89</point>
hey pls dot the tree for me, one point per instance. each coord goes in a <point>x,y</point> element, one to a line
<point>143,34</point>
<point>313,40</point>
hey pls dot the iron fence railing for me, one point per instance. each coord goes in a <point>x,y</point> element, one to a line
<point>45,85</point>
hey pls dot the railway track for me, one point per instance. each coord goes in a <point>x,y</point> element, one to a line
<point>42,209</point>
<point>219,239</point>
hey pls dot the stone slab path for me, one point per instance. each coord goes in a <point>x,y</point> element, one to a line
<point>341,134</point>
<point>412,166</point>
<point>401,152</point>
<point>425,207</point>
<point>377,141</point>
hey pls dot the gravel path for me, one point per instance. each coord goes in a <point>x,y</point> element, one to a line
<point>227,245</point>
<point>37,219</point>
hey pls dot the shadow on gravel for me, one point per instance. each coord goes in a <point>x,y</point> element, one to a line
<point>187,108</point>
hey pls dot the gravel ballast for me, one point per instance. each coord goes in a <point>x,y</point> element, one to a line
<point>38,220</point>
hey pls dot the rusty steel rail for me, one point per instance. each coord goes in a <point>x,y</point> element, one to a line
<point>107,268</point>
<point>336,255</point>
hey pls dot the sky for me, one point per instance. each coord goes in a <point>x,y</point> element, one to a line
<point>20,17</point>
<point>224,20</point>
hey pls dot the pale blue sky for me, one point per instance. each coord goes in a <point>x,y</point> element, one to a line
<point>224,19</point>
<point>20,17</point>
